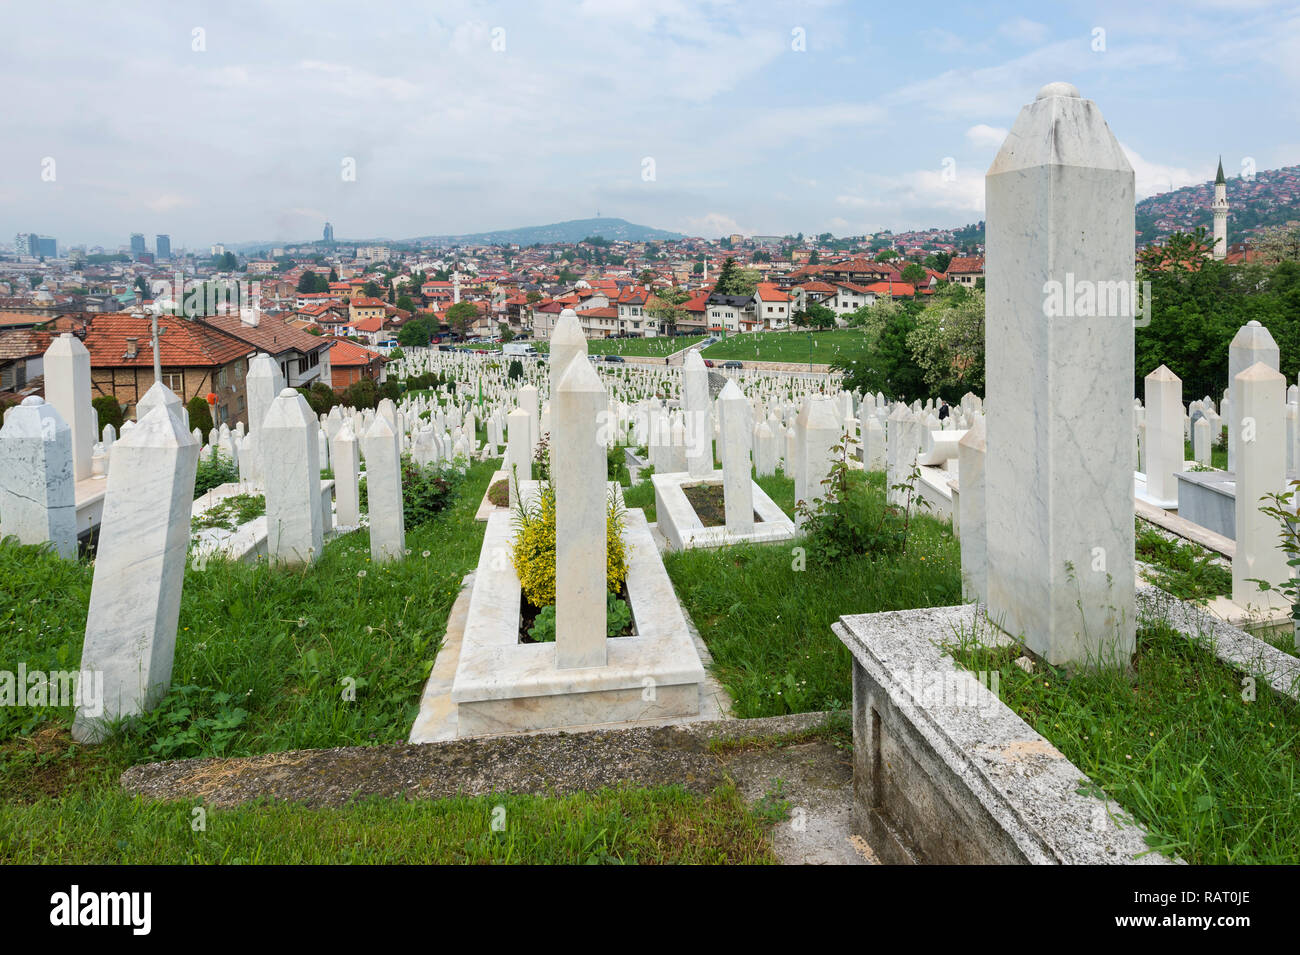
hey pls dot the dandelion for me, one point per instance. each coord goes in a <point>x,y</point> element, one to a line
<point>425,554</point>
<point>361,573</point>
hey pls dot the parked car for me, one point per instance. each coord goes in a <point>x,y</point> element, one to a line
<point>708,363</point>
<point>733,364</point>
<point>617,358</point>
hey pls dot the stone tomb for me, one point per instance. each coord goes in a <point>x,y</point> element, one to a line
<point>683,529</point>
<point>504,686</point>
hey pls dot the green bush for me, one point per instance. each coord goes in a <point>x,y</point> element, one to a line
<point>211,473</point>
<point>852,518</point>
<point>361,394</point>
<point>516,369</point>
<point>110,412</point>
<point>426,491</point>
<point>618,617</point>
<point>320,396</point>
<point>200,415</point>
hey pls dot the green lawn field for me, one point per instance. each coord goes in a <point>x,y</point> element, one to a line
<point>795,347</point>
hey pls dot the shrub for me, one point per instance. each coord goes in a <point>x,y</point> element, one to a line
<point>618,617</point>
<point>616,466</point>
<point>200,415</point>
<point>516,369</point>
<point>853,519</point>
<point>499,494</point>
<point>320,397</point>
<point>361,394</point>
<point>426,491</point>
<point>111,412</point>
<point>542,458</point>
<point>533,552</point>
<point>214,471</point>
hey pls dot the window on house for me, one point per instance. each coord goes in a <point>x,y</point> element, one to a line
<point>174,380</point>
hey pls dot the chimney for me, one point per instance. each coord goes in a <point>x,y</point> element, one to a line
<point>132,347</point>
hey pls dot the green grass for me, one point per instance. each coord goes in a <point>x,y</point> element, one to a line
<point>642,495</point>
<point>1218,455</point>
<point>767,622</point>
<point>792,347</point>
<point>274,643</point>
<point>261,660</point>
<point>661,825</point>
<point>1186,570</point>
<point>1210,775</point>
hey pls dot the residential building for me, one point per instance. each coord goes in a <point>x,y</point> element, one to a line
<point>771,306</point>
<point>197,360</point>
<point>304,358</point>
<point>966,271</point>
<point>350,362</point>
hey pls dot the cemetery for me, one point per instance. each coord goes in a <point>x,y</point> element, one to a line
<point>1040,627</point>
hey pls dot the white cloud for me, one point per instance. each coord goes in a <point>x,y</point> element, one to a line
<point>1023,30</point>
<point>1151,178</point>
<point>713,224</point>
<point>984,136</point>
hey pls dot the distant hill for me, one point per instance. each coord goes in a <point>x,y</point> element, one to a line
<point>575,230</point>
<point>1271,197</point>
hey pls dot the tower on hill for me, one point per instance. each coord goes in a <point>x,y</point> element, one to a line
<point>1220,209</point>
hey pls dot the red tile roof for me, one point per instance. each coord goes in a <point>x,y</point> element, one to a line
<point>966,265</point>
<point>182,343</point>
<point>273,335</point>
<point>23,343</point>
<point>344,353</point>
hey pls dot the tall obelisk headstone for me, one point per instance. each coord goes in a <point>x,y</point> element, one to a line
<point>1059,505</point>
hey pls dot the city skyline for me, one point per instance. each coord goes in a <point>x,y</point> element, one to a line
<point>706,121</point>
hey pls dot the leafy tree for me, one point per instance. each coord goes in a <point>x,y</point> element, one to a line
<point>404,302</point>
<point>110,412</point>
<point>1278,243</point>
<point>516,370</point>
<point>200,415</point>
<point>532,297</point>
<point>309,282</point>
<point>372,290</point>
<point>361,394</point>
<point>417,332</point>
<point>914,274</point>
<point>947,343</point>
<point>320,397</point>
<point>461,317</point>
<point>939,261</point>
<point>818,316</point>
<point>504,331</point>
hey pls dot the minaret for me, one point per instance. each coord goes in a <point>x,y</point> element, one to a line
<point>1220,209</point>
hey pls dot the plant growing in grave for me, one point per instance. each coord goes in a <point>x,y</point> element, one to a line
<point>426,490</point>
<point>533,550</point>
<point>618,617</point>
<point>542,458</point>
<point>230,512</point>
<point>850,520</point>
<point>1281,507</point>
<point>214,471</point>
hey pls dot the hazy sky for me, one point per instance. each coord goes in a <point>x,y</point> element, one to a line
<point>234,121</point>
